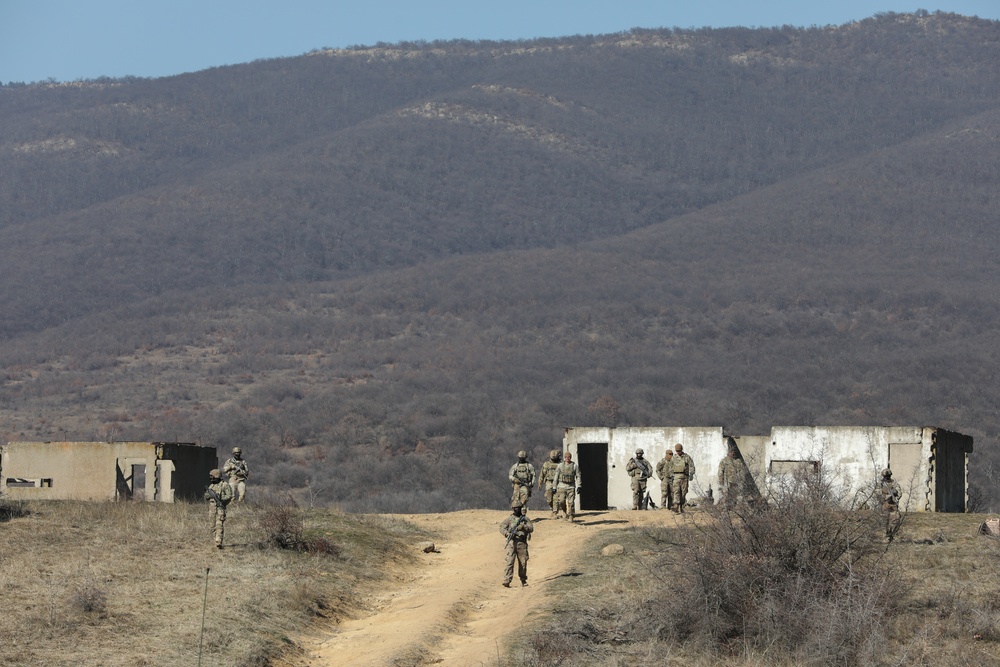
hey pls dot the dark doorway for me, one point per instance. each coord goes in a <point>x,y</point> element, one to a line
<point>138,482</point>
<point>593,460</point>
<point>949,478</point>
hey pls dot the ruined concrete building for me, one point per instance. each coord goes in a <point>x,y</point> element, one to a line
<point>930,464</point>
<point>153,471</point>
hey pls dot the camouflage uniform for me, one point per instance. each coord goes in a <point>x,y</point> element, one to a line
<point>640,471</point>
<point>218,493</point>
<point>683,467</point>
<point>547,480</point>
<point>731,480</point>
<point>890,492</point>
<point>517,528</point>
<point>521,476</point>
<point>664,470</point>
<point>238,471</point>
<point>567,480</point>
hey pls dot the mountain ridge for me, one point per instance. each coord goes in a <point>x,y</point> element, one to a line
<point>368,274</point>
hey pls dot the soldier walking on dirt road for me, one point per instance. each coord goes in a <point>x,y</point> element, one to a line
<point>522,476</point>
<point>517,528</point>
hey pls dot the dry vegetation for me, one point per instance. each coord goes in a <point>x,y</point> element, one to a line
<point>107,584</point>
<point>124,584</point>
<point>928,597</point>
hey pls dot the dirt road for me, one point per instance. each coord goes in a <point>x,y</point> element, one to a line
<point>451,609</point>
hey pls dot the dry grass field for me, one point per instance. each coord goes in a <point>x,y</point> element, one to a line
<point>619,611</point>
<point>112,584</point>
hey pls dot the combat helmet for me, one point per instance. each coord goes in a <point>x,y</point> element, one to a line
<point>214,473</point>
<point>555,454</point>
<point>639,452</point>
<point>522,454</point>
<point>237,450</point>
<point>886,472</point>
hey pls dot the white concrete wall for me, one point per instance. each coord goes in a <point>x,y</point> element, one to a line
<point>854,456</point>
<point>78,470</point>
<point>704,444</point>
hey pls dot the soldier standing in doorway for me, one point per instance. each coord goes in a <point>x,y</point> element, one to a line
<point>218,493</point>
<point>683,466</point>
<point>238,471</point>
<point>567,485</point>
<point>522,476</point>
<point>517,528</point>
<point>890,491</point>
<point>640,471</point>
<point>665,471</point>
<point>547,480</point>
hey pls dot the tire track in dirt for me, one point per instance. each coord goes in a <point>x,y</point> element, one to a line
<point>451,609</point>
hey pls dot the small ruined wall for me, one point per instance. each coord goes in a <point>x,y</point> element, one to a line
<point>102,470</point>
<point>69,470</point>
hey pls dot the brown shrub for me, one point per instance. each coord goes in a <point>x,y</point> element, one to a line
<point>281,524</point>
<point>800,576</point>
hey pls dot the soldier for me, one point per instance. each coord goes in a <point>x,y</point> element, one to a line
<point>567,485</point>
<point>522,476</point>
<point>218,493</point>
<point>547,480</point>
<point>683,466</point>
<point>640,471</point>
<point>238,471</point>
<point>517,529</point>
<point>731,476</point>
<point>890,492</point>
<point>665,471</point>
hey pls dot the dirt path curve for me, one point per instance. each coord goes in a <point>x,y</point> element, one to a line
<point>451,609</point>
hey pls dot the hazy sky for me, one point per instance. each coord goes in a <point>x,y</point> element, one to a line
<point>68,40</point>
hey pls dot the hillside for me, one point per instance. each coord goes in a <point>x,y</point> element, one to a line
<point>370,268</point>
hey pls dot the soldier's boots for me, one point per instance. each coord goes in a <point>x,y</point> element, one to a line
<point>506,584</point>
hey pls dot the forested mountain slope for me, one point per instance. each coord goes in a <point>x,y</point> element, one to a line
<point>376,269</point>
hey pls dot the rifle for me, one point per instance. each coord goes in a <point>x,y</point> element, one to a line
<point>514,528</point>
<point>209,491</point>
<point>648,502</point>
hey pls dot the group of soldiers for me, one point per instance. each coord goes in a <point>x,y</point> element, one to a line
<point>560,481</point>
<point>674,471</point>
<point>220,493</point>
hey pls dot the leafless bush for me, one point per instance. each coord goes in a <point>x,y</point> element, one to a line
<point>282,525</point>
<point>89,599</point>
<point>801,576</point>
